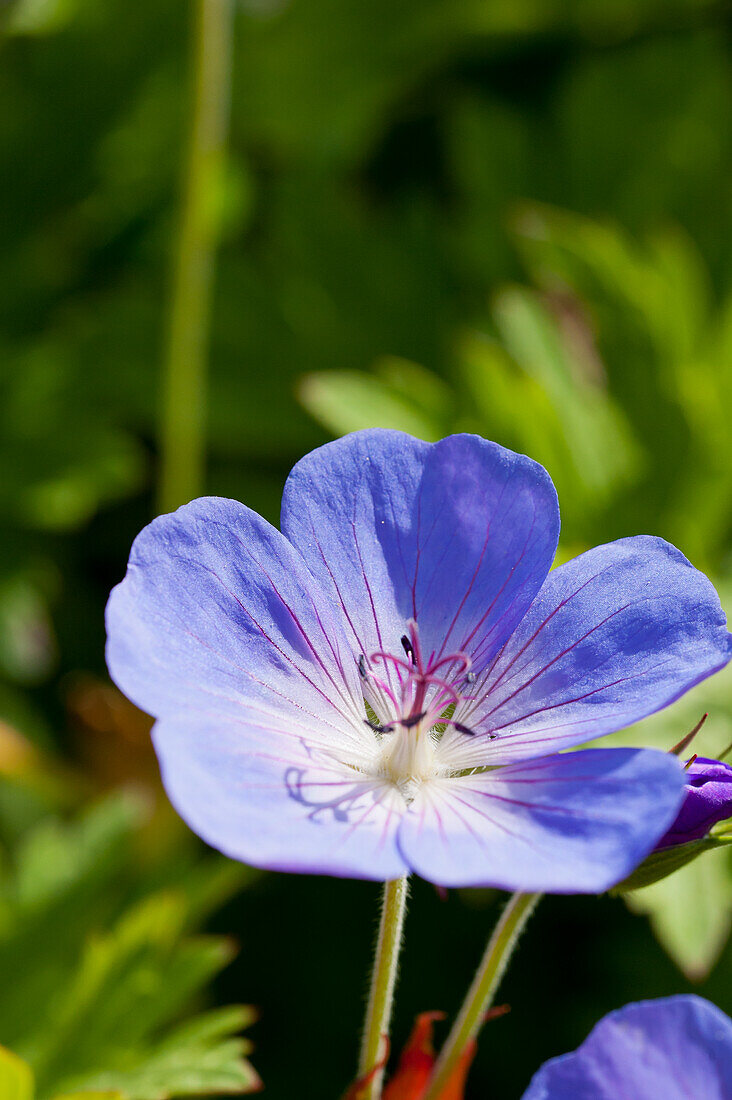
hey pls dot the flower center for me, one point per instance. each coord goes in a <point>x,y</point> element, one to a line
<point>412,700</point>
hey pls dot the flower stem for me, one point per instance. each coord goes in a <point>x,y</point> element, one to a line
<point>485,983</point>
<point>383,980</point>
<point>182,431</point>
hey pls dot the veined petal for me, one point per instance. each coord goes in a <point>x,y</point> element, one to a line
<point>677,1048</point>
<point>218,610</point>
<point>458,535</point>
<point>274,802</point>
<point>613,636</point>
<point>574,823</point>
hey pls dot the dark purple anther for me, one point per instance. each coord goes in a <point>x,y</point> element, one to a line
<point>707,800</point>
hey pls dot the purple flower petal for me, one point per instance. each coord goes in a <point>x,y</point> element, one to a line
<point>707,800</point>
<point>274,802</point>
<point>613,636</point>
<point>458,535</point>
<point>218,610</point>
<point>574,823</point>
<point>678,1048</point>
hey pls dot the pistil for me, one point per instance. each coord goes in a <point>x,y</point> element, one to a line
<point>426,695</point>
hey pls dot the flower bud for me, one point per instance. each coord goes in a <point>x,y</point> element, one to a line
<point>707,802</point>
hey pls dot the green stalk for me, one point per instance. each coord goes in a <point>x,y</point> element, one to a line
<point>485,983</point>
<point>182,430</point>
<point>383,980</point>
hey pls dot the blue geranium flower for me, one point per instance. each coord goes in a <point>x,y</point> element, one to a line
<point>385,685</point>
<point>679,1048</point>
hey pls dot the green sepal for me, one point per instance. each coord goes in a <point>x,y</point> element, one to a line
<point>722,831</point>
<point>659,865</point>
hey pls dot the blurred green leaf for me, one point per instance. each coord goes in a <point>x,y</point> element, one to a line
<point>39,16</point>
<point>690,912</point>
<point>95,982</point>
<point>399,395</point>
<point>27,642</point>
<point>88,1094</point>
<point>16,1077</point>
<point>557,351</point>
<point>203,1057</point>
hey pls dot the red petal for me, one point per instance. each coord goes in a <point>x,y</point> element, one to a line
<point>455,1087</point>
<point>416,1062</point>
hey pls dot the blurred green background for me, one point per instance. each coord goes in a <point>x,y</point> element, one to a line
<point>503,216</point>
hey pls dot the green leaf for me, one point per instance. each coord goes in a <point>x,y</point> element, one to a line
<point>598,440</point>
<point>90,1094</point>
<point>690,912</point>
<point>16,1077</point>
<point>402,396</point>
<point>91,1009</point>
<point>202,1057</point>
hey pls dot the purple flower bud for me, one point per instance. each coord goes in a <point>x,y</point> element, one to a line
<point>707,800</point>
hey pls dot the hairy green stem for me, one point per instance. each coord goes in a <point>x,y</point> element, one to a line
<point>182,430</point>
<point>383,980</point>
<point>485,983</point>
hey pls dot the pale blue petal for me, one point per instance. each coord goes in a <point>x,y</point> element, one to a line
<point>458,535</point>
<point>274,802</point>
<point>678,1048</point>
<point>218,610</point>
<point>613,636</point>
<point>574,823</point>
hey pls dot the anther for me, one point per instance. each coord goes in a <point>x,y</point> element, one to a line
<point>465,729</point>
<point>407,647</point>
<point>470,678</point>
<point>376,727</point>
<point>412,720</point>
<point>362,667</point>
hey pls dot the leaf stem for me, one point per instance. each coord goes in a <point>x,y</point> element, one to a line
<point>383,980</point>
<point>485,983</point>
<point>182,429</point>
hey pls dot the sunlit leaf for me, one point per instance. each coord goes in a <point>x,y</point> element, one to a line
<point>690,912</point>
<point>16,1077</point>
<point>401,396</point>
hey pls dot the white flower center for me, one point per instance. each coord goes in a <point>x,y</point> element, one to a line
<point>410,702</point>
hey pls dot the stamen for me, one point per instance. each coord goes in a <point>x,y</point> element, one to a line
<point>398,662</point>
<point>464,729</point>
<point>451,659</point>
<point>412,720</point>
<point>376,727</point>
<point>418,701</point>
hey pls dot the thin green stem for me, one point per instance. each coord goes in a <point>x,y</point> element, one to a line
<point>485,983</point>
<point>383,980</point>
<point>182,431</point>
